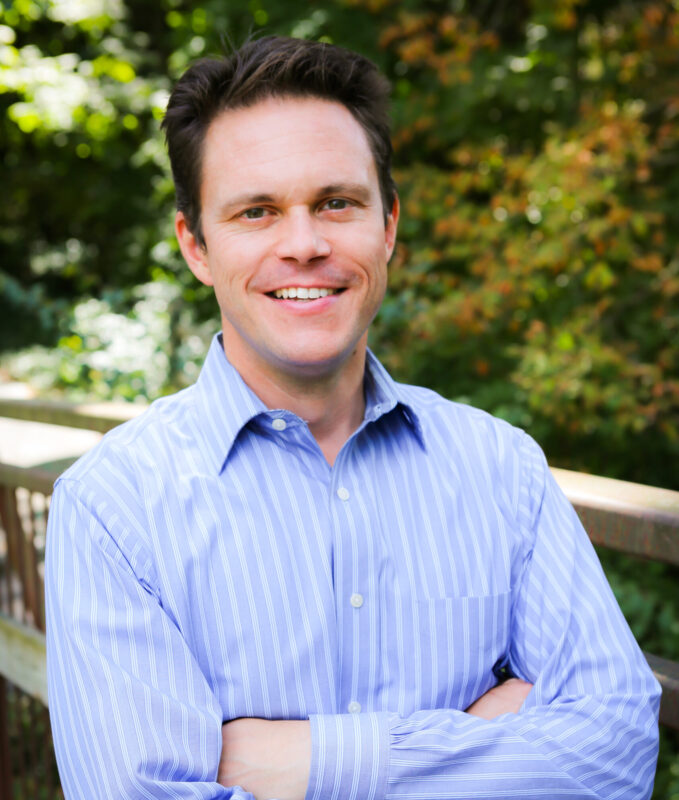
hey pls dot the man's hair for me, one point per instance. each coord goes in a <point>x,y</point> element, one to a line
<point>272,66</point>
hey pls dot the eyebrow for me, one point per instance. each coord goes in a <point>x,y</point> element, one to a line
<point>357,190</point>
<point>245,200</point>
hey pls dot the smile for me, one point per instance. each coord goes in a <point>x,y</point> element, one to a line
<point>303,293</point>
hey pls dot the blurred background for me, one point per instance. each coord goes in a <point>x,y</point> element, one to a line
<point>537,271</point>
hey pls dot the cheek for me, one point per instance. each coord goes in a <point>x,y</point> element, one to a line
<point>381,288</point>
<point>234,262</point>
<point>379,266</point>
<point>370,252</point>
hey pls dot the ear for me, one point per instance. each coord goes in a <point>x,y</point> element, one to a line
<point>195,254</point>
<point>391,227</point>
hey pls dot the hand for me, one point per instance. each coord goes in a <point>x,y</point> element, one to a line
<point>268,758</point>
<point>501,699</point>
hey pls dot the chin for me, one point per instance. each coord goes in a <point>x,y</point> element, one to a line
<point>317,363</point>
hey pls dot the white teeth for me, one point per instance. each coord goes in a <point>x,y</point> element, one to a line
<point>302,293</point>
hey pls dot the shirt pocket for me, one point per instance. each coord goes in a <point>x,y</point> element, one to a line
<point>456,642</point>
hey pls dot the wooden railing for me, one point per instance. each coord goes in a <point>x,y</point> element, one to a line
<point>27,765</point>
<point>625,517</point>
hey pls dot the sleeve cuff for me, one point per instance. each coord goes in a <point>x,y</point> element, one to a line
<point>349,756</point>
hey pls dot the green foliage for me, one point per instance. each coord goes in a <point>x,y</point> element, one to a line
<point>536,276</point>
<point>537,273</point>
<point>132,353</point>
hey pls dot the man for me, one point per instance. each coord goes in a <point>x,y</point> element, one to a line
<point>298,578</point>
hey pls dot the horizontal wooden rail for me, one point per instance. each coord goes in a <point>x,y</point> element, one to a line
<point>627,517</point>
<point>35,479</point>
<point>22,657</point>
<point>99,417</point>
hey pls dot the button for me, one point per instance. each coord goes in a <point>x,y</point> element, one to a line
<point>279,424</point>
<point>356,600</point>
<point>354,707</point>
<point>343,493</point>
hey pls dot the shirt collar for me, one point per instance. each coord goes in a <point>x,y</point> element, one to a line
<point>383,395</point>
<point>226,404</point>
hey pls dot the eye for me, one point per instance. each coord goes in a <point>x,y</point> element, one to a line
<point>258,212</point>
<point>336,204</point>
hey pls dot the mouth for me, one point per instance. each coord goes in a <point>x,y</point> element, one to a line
<point>303,293</point>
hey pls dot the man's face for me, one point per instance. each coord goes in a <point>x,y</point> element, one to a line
<point>296,243</point>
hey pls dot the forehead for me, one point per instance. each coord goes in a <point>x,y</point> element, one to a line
<point>281,141</point>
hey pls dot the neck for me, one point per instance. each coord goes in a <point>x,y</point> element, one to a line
<point>331,402</point>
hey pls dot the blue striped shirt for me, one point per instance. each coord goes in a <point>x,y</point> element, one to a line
<point>205,562</point>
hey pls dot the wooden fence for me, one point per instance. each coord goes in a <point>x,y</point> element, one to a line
<point>626,517</point>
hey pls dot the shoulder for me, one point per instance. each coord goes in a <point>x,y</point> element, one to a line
<point>112,482</point>
<point>445,417</point>
<point>104,494</point>
<point>137,444</point>
<point>476,441</point>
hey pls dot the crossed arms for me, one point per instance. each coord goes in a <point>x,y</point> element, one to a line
<point>135,716</point>
<point>271,758</point>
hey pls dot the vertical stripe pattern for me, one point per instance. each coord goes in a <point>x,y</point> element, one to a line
<point>204,563</point>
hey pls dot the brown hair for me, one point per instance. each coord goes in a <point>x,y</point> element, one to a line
<point>273,66</point>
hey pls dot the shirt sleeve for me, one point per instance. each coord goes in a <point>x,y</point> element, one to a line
<point>588,729</point>
<point>132,715</point>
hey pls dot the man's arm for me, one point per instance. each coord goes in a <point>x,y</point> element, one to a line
<point>505,698</point>
<point>587,728</point>
<point>269,758</point>
<point>132,714</point>
<point>272,758</point>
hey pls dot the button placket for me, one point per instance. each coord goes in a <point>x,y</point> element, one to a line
<point>352,570</point>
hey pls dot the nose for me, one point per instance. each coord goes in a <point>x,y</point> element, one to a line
<point>301,237</point>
